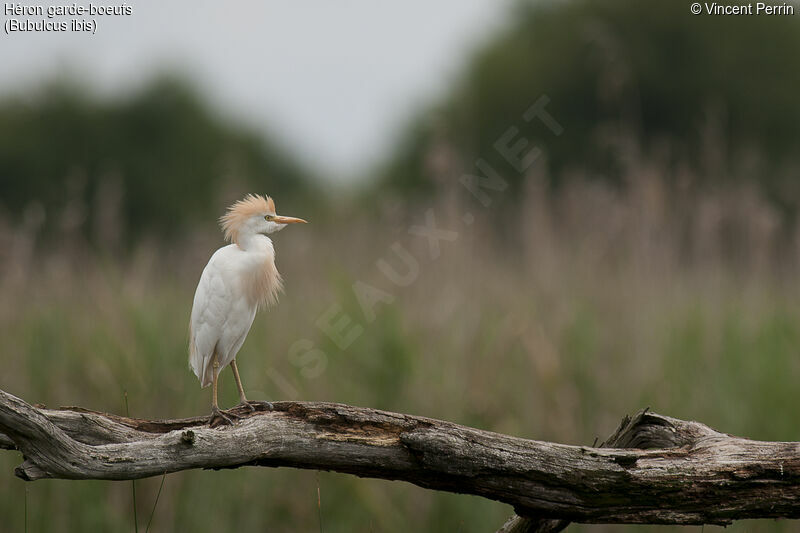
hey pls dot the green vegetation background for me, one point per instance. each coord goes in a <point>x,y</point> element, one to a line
<point>650,257</point>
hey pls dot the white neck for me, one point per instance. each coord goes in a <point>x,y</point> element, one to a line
<point>255,242</point>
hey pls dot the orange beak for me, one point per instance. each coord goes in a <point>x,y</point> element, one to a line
<point>288,220</point>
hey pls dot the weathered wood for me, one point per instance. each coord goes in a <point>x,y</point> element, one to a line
<point>633,432</point>
<point>523,524</point>
<point>672,472</point>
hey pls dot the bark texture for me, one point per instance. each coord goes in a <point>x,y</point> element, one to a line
<point>654,469</point>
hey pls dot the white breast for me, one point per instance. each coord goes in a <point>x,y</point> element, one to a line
<point>233,284</point>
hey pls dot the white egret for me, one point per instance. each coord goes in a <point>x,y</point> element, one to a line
<point>238,279</point>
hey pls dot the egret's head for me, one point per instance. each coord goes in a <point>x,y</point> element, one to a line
<point>255,214</point>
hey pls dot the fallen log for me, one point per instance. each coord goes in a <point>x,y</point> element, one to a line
<point>660,470</point>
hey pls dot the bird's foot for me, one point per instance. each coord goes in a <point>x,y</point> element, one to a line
<point>254,406</point>
<point>247,405</point>
<point>219,417</point>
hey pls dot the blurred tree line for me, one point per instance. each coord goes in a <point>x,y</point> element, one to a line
<point>625,80</point>
<point>154,162</point>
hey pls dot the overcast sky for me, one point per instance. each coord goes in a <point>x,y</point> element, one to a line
<point>333,80</point>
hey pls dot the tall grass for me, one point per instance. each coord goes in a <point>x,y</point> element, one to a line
<point>590,303</point>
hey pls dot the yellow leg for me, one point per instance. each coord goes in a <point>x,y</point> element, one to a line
<point>217,416</point>
<point>235,369</point>
<point>214,404</point>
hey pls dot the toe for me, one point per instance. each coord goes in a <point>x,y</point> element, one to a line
<point>218,418</point>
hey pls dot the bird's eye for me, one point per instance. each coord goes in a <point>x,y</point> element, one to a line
<point>269,217</point>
